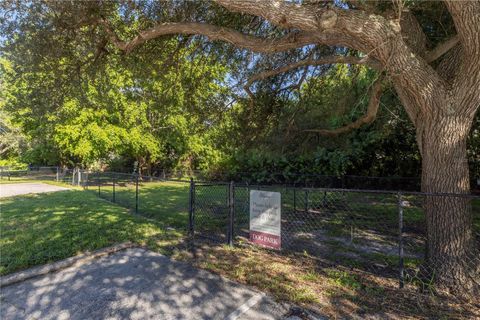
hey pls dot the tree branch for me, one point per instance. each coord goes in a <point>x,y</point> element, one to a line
<point>369,117</point>
<point>329,26</point>
<point>324,25</point>
<point>356,29</point>
<point>256,44</point>
<point>378,37</point>
<point>441,49</point>
<point>466,16</point>
<point>311,62</point>
<point>372,34</point>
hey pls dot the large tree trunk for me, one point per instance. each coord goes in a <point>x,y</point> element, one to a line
<point>452,259</point>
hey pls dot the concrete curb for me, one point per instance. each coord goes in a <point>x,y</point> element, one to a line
<point>62,264</point>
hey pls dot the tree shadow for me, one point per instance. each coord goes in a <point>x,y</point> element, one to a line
<point>132,284</point>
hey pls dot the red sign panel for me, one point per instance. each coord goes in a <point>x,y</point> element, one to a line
<point>265,239</point>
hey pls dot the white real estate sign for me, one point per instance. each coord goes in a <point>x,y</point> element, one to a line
<point>265,218</point>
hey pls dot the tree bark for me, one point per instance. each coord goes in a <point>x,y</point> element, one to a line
<point>452,257</point>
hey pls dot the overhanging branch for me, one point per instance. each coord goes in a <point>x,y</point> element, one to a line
<point>466,17</point>
<point>310,62</point>
<point>369,117</point>
<point>256,44</point>
<point>363,31</point>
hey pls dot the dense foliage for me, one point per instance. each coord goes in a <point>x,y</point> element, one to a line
<point>160,116</point>
<point>175,105</point>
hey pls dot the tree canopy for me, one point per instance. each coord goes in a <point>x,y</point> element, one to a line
<point>178,101</point>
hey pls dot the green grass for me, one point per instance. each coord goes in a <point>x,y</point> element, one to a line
<point>163,201</point>
<point>343,278</point>
<point>38,229</point>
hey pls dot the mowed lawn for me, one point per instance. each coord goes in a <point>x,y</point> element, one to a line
<point>42,228</point>
<point>166,202</point>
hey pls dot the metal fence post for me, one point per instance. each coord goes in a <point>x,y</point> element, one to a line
<point>113,188</point>
<point>231,209</point>
<point>191,209</point>
<point>294,198</point>
<point>57,176</point>
<point>136,193</point>
<point>306,201</point>
<point>400,242</point>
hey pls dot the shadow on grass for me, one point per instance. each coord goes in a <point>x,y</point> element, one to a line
<point>42,228</point>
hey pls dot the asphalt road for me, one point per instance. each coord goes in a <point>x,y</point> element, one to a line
<point>15,189</point>
<point>134,284</point>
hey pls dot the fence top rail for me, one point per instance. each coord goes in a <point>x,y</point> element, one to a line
<point>14,171</point>
<point>301,177</point>
<point>171,180</point>
<point>391,192</point>
<point>283,173</point>
<point>6,170</point>
<point>433,194</point>
<point>112,174</point>
<point>201,182</point>
<point>287,174</point>
<point>212,183</point>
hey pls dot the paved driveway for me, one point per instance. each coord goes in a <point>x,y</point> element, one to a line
<point>134,284</point>
<point>15,189</point>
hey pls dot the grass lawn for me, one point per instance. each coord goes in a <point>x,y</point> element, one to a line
<point>163,201</point>
<point>42,228</point>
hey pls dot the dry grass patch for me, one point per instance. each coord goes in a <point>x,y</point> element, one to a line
<point>318,285</point>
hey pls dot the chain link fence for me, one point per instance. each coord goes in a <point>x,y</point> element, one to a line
<point>31,173</point>
<point>379,232</point>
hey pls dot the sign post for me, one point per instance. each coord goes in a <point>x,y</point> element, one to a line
<point>265,218</point>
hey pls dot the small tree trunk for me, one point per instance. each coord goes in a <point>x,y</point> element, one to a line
<point>451,255</point>
<point>140,163</point>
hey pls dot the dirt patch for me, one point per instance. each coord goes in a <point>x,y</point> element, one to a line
<point>363,242</point>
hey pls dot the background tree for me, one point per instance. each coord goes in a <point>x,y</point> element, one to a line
<point>157,117</point>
